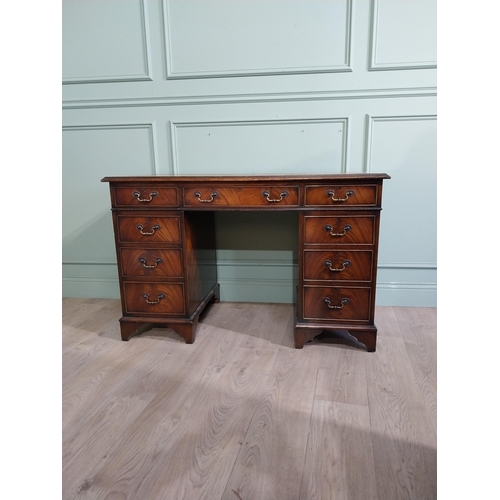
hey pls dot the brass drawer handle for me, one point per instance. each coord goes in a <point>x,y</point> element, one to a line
<point>213,195</point>
<point>266,195</point>
<point>330,193</point>
<point>137,195</point>
<point>155,228</point>
<point>160,297</point>
<point>329,228</point>
<point>145,264</point>
<point>343,302</point>
<point>328,264</point>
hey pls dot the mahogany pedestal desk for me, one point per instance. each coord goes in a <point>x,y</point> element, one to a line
<point>166,249</point>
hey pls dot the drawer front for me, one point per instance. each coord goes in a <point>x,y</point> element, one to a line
<point>253,196</point>
<point>339,230</point>
<point>149,229</point>
<point>139,262</point>
<point>154,298</point>
<point>355,265</point>
<point>143,197</point>
<point>341,195</point>
<point>343,304</point>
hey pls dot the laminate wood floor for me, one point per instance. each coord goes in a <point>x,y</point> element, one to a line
<point>241,415</point>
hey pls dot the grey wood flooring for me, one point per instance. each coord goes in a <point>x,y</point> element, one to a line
<point>241,415</point>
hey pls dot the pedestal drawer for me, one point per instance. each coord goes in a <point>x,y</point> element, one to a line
<point>154,298</point>
<point>339,230</point>
<point>151,262</point>
<point>342,303</point>
<point>149,229</point>
<point>333,265</point>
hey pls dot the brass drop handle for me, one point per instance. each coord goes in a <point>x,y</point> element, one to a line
<point>266,195</point>
<point>343,302</point>
<point>160,297</point>
<point>137,195</point>
<point>329,228</point>
<point>331,193</point>
<point>155,228</point>
<point>213,195</point>
<point>328,264</point>
<point>145,264</point>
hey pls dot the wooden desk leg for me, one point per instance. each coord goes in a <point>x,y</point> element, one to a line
<point>185,330</point>
<point>129,329</point>
<point>303,335</point>
<point>366,337</point>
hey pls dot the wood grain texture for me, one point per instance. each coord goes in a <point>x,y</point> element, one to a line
<point>240,414</point>
<point>404,441</point>
<point>272,455</point>
<point>339,462</point>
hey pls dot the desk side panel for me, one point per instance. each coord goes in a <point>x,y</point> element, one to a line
<point>200,257</point>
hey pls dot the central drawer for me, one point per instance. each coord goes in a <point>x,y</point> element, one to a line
<point>154,298</point>
<point>237,196</point>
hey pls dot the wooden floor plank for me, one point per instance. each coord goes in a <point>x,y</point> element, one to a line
<point>339,461</point>
<point>272,455</point>
<point>404,442</point>
<point>342,376</point>
<point>420,336</point>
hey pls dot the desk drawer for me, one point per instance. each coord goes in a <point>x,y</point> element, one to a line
<point>235,196</point>
<point>332,265</point>
<point>144,197</point>
<point>341,195</point>
<point>341,230</point>
<point>341,303</point>
<point>154,298</point>
<point>149,229</point>
<point>139,262</point>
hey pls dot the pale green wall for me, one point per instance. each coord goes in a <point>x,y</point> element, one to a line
<point>245,87</point>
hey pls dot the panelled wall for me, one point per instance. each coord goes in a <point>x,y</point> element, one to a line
<point>166,87</point>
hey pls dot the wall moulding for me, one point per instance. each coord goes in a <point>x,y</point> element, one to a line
<point>374,64</point>
<point>173,74</point>
<point>151,127</point>
<point>145,76</point>
<point>251,98</point>
<point>371,120</point>
<point>175,127</point>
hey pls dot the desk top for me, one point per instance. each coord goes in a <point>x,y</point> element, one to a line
<point>247,178</point>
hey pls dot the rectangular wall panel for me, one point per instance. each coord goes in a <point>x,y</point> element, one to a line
<point>255,37</point>
<point>114,30</point>
<point>265,147</point>
<point>88,152</point>
<point>403,34</point>
<point>405,146</point>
